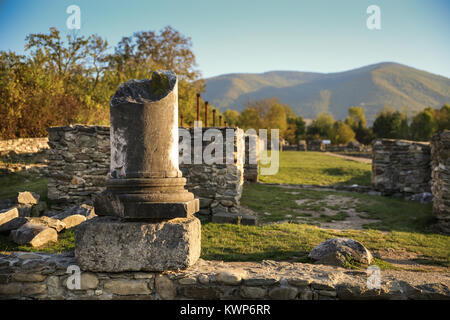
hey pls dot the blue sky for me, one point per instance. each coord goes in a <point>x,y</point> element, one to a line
<point>257,36</point>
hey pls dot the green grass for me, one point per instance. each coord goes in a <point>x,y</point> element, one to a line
<point>12,183</point>
<point>289,241</point>
<point>297,167</point>
<point>66,242</point>
<point>402,225</point>
<point>394,214</point>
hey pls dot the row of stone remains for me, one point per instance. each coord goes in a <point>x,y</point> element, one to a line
<point>52,277</point>
<point>415,168</point>
<point>320,146</point>
<point>23,146</point>
<point>79,161</point>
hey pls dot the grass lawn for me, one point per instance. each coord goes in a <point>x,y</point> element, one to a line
<point>398,224</point>
<point>12,183</point>
<point>393,214</point>
<point>298,167</point>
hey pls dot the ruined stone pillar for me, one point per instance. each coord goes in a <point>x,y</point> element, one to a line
<point>144,181</point>
<point>146,217</point>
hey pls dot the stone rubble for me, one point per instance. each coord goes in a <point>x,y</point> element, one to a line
<point>32,229</point>
<point>46,276</point>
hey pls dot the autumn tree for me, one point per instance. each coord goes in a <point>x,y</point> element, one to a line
<point>321,126</point>
<point>231,117</point>
<point>423,125</point>
<point>391,124</point>
<point>64,80</point>
<point>356,117</point>
<point>341,133</point>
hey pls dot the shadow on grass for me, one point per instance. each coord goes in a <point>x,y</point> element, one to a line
<point>12,183</point>
<point>360,178</point>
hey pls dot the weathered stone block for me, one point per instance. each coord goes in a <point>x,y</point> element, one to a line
<point>225,217</point>
<point>27,198</point>
<point>113,245</point>
<point>127,287</point>
<point>34,234</point>
<point>165,287</point>
<point>7,218</point>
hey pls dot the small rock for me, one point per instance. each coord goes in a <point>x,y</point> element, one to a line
<point>252,292</point>
<point>27,197</point>
<point>25,210</point>
<point>88,280</point>
<point>334,252</point>
<point>126,287</point>
<point>283,293</point>
<point>73,220</point>
<point>34,234</point>
<point>165,287</point>
<point>48,222</point>
<point>39,209</point>
<point>6,216</point>
<point>226,203</point>
<point>230,277</point>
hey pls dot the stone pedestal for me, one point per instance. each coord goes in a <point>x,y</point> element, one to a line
<point>146,215</point>
<point>110,244</point>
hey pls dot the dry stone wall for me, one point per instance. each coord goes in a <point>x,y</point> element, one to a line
<point>440,164</point>
<point>79,162</point>
<point>23,145</point>
<point>52,277</point>
<point>218,186</point>
<point>401,166</point>
<point>252,147</point>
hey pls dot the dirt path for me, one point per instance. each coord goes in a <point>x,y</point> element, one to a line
<point>358,159</point>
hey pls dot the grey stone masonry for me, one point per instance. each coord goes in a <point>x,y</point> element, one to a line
<point>23,145</point>
<point>252,147</point>
<point>401,166</point>
<point>78,163</point>
<point>45,276</point>
<point>217,185</point>
<point>440,164</point>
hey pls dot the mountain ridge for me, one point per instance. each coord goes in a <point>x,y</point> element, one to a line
<point>309,93</point>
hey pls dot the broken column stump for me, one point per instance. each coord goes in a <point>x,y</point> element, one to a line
<point>145,214</point>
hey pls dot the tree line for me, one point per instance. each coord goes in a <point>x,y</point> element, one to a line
<point>65,80</point>
<point>389,123</point>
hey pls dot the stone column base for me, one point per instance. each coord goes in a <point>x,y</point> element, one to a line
<point>107,244</point>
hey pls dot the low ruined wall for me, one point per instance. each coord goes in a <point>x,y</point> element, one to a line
<point>315,145</point>
<point>252,147</point>
<point>78,163</point>
<point>400,166</point>
<point>218,186</point>
<point>80,156</point>
<point>440,165</point>
<point>54,276</point>
<point>23,145</point>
